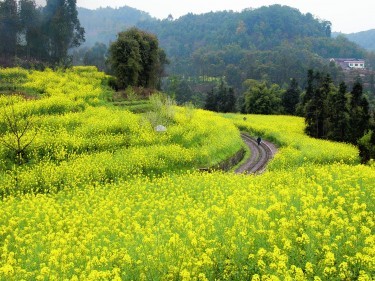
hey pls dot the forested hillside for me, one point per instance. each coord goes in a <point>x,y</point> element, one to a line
<point>272,43</point>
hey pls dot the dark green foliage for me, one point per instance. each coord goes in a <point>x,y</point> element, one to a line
<point>226,100</point>
<point>359,113</point>
<point>136,59</point>
<point>367,146</point>
<point>62,29</point>
<point>179,88</point>
<point>97,56</point>
<point>259,98</point>
<point>31,35</point>
<point>31,22</point>
<point>290,97</point>
<point>229,104</point>
<point>125,59</point>
<point>211,101</point>
<point>338,114</point>
<point>9,27</point>
<point>316,109</point>
<point>221,99</point>
<point>339,47</point>
<point>275,43</point>
<point>264,28</point>
<point>333,113</point>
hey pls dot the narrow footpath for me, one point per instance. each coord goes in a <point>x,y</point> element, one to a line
<point>260,155</point>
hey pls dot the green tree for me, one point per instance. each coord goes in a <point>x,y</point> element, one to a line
<point>290,97</point>
<point>125,59</point>
<point>359,113</point>
<point>332,113</point>
<point>233,75</point>
<point>163,61</point>
<point>179,88</point>
<point>62,29</point>
<point>338,114</point>
<point>367,146</point>
<point>136,59</point>
<point>318,88</point>
<point>31,20</point>
<point>97,56</point>
<point>261,99</point>
<point>9,28</point>
<point>211,101</point>
<point>230,101</point>
<point>221,99</point>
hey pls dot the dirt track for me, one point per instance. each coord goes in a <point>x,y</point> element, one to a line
<point>260,155</point>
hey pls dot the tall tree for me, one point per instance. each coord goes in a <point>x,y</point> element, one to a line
<point>230,101</point>
<point>9,27</point>
<point>136,59</point>
<point>290,97</point>
<point>359,113</point>
<point>30,21</point>
<point>318,88</point>
<point>211,101</point>
<point>126,60</point>
<point>178,88</point>
<point>226,99</point>
<point>338,114</point>
<point>62,28</point>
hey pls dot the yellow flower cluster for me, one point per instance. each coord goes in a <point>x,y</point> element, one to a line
<point>79,142</point>
<point>129,209</point>
<point>313,224</point>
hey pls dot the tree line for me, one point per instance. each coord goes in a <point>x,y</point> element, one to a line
<point>331,112</point>
<point>334,113</point>
<point>34,36</point>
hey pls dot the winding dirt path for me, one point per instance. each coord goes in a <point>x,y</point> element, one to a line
<point>260,155</point>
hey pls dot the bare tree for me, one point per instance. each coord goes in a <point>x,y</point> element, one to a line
<point>19,133</point>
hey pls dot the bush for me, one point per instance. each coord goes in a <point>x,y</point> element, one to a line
<point>366,147</point>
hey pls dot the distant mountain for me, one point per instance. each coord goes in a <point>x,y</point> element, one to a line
<point>365,39</point>
<point>273,43</point>
<point>103,24</point>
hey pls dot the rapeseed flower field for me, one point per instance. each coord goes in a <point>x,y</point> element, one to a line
<point>296,148</point>
<point>105,197</point>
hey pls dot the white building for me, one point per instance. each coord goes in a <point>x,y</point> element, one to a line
<point>349,63</point>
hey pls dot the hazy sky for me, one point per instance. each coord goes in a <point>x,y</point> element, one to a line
<point>346,15</point>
